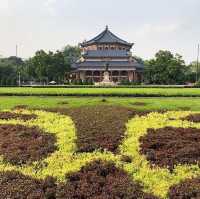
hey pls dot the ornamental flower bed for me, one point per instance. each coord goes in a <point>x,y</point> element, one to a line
<point>171,146</point>
<point>22,145</point>
<point>40,157</point>
<point>99,127</point>
<point>8,115</point>
<point>186,189</point>
<point>147,165</point>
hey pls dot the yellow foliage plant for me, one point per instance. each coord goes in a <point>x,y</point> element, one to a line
<point>155,180</point>
<point>65,160</point>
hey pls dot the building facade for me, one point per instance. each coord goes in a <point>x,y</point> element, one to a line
<point>107,52</point>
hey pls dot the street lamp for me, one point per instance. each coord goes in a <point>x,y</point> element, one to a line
<point>19,79</point>
<point>197,78</point>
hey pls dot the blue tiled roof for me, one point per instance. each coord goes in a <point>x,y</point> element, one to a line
<point>99,65</point>
<point>106,53</point>
<point>106,37</point>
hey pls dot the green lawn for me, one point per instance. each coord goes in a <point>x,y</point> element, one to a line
<point>167,103</point>
<point>134,92</point>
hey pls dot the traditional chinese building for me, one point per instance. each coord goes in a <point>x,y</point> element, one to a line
<point>107,51</point>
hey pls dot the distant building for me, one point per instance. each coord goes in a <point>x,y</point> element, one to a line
<point>107,51</point>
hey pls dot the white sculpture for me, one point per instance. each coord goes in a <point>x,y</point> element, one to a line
<point>106,79</point>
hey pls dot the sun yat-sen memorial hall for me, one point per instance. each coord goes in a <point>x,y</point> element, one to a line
<point>107,52</point>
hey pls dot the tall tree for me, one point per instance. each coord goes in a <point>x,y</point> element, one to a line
<point>46,67</point>
<point>193,73</point>
<point>165,68</point>
<point>40,62</point>
<point>71,54</point>
<point>9,68</point>
<point>56,67</point>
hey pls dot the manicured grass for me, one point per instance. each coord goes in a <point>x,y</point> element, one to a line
<point>124,92</point>
<point>150,104</point>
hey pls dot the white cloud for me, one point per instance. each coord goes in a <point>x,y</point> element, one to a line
<point>8,7</point>
<point>50,24</point>
<point>4,7</point>
<point>3,4</point>
<point>50,6</point>
<point>150,29</point>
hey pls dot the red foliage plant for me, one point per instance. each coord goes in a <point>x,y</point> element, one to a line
<point>20,144</point>
<point>9,116</point>
<point>99,127</point>
<point>192,118</point>
<point>101,180</point>
<point>189,189</point>
<point>14,185</point>
<point>169,146</point>
<point>97,180</point>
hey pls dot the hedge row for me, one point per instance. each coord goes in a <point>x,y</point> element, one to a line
<point>112,92</point>
<point>97,95</point>
<point>94,86</point>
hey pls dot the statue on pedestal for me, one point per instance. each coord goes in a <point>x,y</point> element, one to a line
<point>106,78</point>
<point>106,75</point>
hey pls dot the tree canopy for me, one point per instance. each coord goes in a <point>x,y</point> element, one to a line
<point>165,68</point>
<point>9,68</point>
<point>44,67</point>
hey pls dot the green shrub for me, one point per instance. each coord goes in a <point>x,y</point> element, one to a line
<point>125,82</point>
<point>197,84</point>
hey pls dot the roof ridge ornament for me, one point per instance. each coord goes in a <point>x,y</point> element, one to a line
<point>107,37</point>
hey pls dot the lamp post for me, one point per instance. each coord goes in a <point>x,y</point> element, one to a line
<point>197,75</point>
<point>16,50</point>
<point>19,75</point>
<point>19,79</point>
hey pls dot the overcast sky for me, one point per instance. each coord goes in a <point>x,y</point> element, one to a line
<point>51,24</point>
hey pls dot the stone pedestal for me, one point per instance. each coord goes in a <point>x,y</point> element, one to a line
<point>106,80</point>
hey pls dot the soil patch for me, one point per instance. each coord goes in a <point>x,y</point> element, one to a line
<point>104,100</point>
<point>139,104</point>
<point>192,118</point>
<point>14,185</point>
<point>169,146</point>
<point>184,108</point>
<point>63,103</point>
<point>101,180</point>
<point>189,189</point>
<point>9,116</point>
<point>21,107</point>
<point>99,127</point>
<point>20,144</point>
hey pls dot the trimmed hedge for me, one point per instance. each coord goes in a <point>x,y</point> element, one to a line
<point>112,92</point>
<point>94,86</point>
